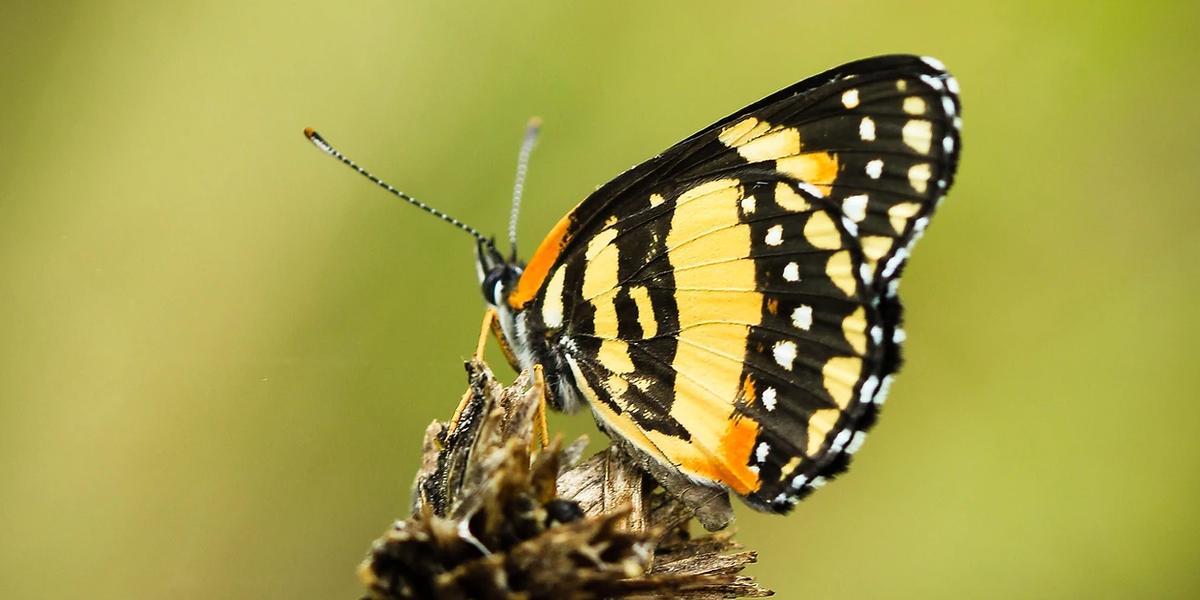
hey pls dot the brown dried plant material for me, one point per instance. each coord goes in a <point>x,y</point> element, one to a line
<point>490,522</point>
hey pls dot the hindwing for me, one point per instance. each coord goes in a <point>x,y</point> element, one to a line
<point>729,307</point>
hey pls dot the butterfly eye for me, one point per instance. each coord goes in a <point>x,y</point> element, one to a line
<point>492,284</point>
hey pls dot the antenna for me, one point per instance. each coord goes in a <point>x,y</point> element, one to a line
<point>325,147</point>
<point>531,135</point>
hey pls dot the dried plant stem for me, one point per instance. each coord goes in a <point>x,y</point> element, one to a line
<point>491,520</point>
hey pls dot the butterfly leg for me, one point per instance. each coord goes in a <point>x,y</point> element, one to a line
<point>489,321</point>
<point>539,420</point>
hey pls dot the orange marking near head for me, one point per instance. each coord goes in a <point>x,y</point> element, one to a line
<point>539,264</point>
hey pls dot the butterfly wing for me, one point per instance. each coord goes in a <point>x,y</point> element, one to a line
<point>729,307</point>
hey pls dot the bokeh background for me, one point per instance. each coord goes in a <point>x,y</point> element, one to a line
<point>219,348</point>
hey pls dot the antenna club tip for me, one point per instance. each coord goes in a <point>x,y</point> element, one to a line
<point>535,123</point>
<point>318,141</point>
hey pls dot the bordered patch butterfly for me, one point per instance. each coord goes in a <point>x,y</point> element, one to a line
<point>728,308</point>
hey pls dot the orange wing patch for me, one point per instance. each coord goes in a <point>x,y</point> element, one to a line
<point>728,465</point>
<point>732,467</point>
<point>817,168</point>
<point>759,141</point>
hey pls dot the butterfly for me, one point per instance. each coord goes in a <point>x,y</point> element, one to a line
<point>728,309</point>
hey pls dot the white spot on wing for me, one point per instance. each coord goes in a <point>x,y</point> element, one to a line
<point>855,207</point>
<point>802,317</point>
<point>785,354</point>
<point>850,98</point>
<point>867,393</point>
<point>799,481</point>
<point>895,261</point>
<point>898,336</point>
<point>919,228</point>
<point>774,235</point>
<point>748,204</point>
<point>884,388</point>
<point>948,105</point>
<point>768,398</point>
<point>875,169</point>
<point>864,271</point>
<point>791,272</point>
<point>866,129</point>
<point>762,451</point>
<point>857,442</point>
<point>933,62</point>
<point>851,226</point>
<point>839,442</point>
<point>810,188</point>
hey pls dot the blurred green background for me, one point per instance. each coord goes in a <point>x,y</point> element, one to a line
<point>219,348</point>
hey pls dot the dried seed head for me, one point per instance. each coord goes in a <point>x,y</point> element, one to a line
<point>490,521</point>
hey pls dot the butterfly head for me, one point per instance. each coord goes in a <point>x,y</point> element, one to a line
<point>497,275</point>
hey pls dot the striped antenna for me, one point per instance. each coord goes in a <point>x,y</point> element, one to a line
<point>325,147</point>
<point>531,135</point>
